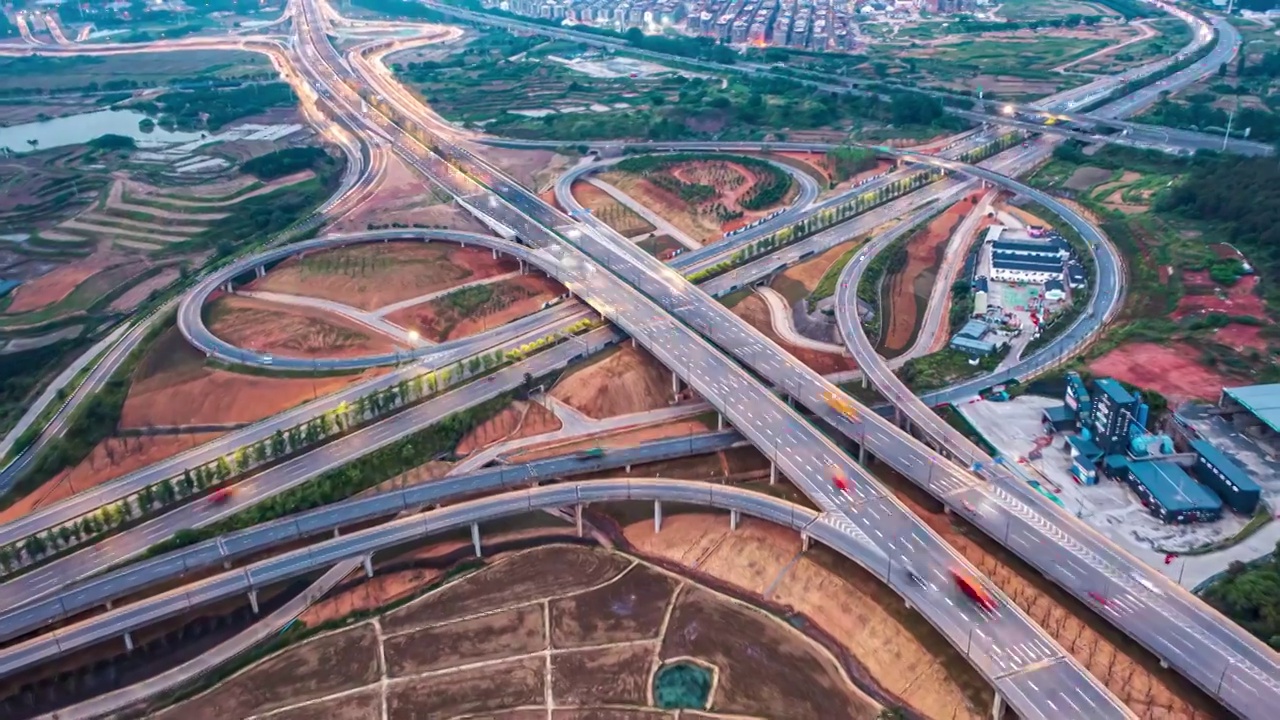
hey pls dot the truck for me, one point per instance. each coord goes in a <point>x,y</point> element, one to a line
<point>840,404</point>
<point>974,591</point>
<point>594,453</point>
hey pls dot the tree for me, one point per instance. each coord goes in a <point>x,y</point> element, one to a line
<point>64,535</point>
<point>34,547</point>
<point>146,498</point>
<point>125,509</point>
<point>188,483</point>
<point>277,444</point>
<point>7,559</point>
<point>222,469</point>
<point>892,712</point>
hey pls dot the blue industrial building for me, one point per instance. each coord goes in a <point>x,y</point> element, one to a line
<point>1085,455</point>
<point>1114,409</point>
<point>972,339</point>
<point>1170,494</point>
<point>1215,469</point>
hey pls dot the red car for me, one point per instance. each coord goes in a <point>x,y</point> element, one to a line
<point>974,591</point>
<point>219,496</point>
<point>839,480</point>
<point>1099,598</point>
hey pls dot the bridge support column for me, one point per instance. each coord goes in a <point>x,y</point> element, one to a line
<point>657,516</point>
<point>628,468</point>
<point>109,605</point>
<point>128,642</point>
<point>367,561</point>
<point>675,384</point>
<point>259,271</point>
<point>495,253</point>
<point>805,541</point>
<point>577,517</point>
<point>253,601</point>
<point>864,381</point>
<point>862,452</point>
<point>719,421</point>
<point>773,472</point>
<point>897,416</point>
<point>1164,664</point>
<point>997,708</point>
<point>475,538</point>
<point>735,517</point>
<point>336,534</point>
<point>521,266</point>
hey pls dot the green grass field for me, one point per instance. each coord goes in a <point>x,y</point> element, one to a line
<point>1024,10</point>
<point>1009,57</point>
<point>53,73</point>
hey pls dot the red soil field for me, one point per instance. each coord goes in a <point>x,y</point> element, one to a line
<point>924,253</point>
<point>754,311</point>
<point>1241,337</point>
<point>438,321</point>
<point>1241,298</point>
<point>1172,370</point>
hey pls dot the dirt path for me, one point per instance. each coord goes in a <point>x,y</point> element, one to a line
<point>190,201</point>
<point>116,201</point>
<point>1145,32</point>
<point>108,231</point>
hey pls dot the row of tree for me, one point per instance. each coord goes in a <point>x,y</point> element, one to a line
<point>193,481</point>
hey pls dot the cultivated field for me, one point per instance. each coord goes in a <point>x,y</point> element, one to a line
<point>471,310</point>
<point>578,629</point>
<point>895,649</point>
<point>372,275</point>
<point>703,197</point>
<point>270,327</point>
<point>173,387</point>
<point>610,211</point>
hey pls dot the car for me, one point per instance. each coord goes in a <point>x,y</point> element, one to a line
<point>969,507</point>
<point>1099,598</point>
<point>219,496</point>
<point>839,479</point>
<point>1144,582</point>
<point>917,579</point>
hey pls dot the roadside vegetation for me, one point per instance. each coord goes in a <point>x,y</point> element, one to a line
<point>1249,594</point>
<point>212,108</point>
<point>23,374</point>
<point>513,87</point>
<point>1199,240</point>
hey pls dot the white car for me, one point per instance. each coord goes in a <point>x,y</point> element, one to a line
<point>1144,582</point>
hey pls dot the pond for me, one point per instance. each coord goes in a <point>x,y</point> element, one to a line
<point>75,129</point>
<point>682,685</point>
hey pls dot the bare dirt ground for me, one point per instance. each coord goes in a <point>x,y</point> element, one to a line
<point>110,459</point>
<point>625,438</point>
<point>372,275</point>
<point>172,386</point>
<point>1242,337</point>
<point>854,608</point>
<point>754,310</point>
<point>441,319</point>
<point>404,197</point>
<point>581,629</point>
<point>1086,177</point>
<point>330,664</point>
<point>517,420</point>
<point>535,169</point>
<point>618,382</point>
<point>909,288</point>
<point>1172,370</point>
<point>1204,296</point>
<point>799,280</point>
<point>56,285</point>
<point>1026,217</point>
<point>610,211</point>
<point>136,295</point>
<point>270,327</point>
<point>702,228</point>
<point>1136,678</point>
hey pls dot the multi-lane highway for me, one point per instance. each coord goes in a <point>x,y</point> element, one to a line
<point>1016,646</point>
<point>657,307</point>
<point>1038,692</point>
<point>53,576</point>
<point>26,612</point>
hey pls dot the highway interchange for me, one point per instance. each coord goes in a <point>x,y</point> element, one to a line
<point>676,321</point>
